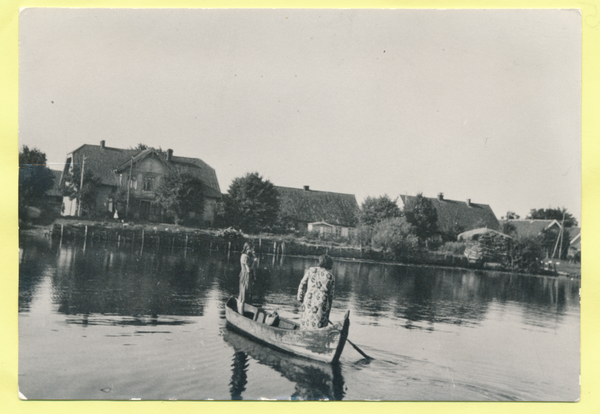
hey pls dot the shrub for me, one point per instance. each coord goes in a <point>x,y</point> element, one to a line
<point>525,254</point>
<point>456,248</point>
<point>395,236</point>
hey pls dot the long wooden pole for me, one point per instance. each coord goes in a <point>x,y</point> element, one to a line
<point>562,235</point>
<point>128,189</point>
<point>81,187</point>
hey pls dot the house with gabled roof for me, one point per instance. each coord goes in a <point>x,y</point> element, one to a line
<point>455,217</point>
<point>531,227</point>
<point>138,172</point>
<point>553,236</point>
<point>574,249</point>
<point>326,212</point>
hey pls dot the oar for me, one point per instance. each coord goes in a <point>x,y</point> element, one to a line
<point>360,351</point>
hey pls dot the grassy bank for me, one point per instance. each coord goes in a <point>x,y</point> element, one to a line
<point>176,236</point>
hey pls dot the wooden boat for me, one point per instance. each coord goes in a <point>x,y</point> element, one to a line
<point>325,344</point>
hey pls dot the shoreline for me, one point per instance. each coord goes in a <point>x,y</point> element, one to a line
<point>161,234</point>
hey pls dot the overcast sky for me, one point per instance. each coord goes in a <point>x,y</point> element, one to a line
<point>481,104</point>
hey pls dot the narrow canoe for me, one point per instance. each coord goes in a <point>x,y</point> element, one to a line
<point>325,344</point>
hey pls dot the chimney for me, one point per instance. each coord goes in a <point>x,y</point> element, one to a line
<point>468,202</point>
<point>306,188</point>
<point>440,196</point>
<point>102,144</point>
<point>169,154</point>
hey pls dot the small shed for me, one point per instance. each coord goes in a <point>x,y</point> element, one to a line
<point>322,227</point>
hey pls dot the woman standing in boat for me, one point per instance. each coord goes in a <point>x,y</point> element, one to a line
<point>246,260</point>
<point>316,294</point>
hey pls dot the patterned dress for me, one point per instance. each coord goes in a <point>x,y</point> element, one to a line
<point>316,294</point>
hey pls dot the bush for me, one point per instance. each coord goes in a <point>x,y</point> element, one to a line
<point>456,248</point>
<point>395,236</point>
<point>525,254</point>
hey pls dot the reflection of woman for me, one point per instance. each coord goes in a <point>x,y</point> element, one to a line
<point>316,294</point>
<point>246,262</point>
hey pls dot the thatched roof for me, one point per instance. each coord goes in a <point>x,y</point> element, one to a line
<point>104,162</point>
<point>476,233</point>
<point>531,228</point>
<point>463,215</point>
<point>309,206</point>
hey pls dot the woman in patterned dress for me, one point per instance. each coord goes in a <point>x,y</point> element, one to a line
<point>316,294</point>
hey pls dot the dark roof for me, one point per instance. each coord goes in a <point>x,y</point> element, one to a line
<point>104,162</point>
<point>458,214</point>
<point>573,232</point>
<point>530,228</point>
<point>310,206</point>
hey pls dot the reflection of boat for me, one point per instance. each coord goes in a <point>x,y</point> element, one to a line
<point>325,344</point>
<point>313,380</point>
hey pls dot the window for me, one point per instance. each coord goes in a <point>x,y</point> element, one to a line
<point>133,183</point>
<point>148,183</point>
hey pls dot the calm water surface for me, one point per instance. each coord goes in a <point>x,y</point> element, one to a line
<point>112,322</point>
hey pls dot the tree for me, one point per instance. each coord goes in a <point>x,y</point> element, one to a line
<point>509,229</point>
<point>34,178</point>
<point>525,253</point>
<point>420,212</point>
<point>553,214</point>
<point>31,157</point>
<point>396,236</point>
<point>181,196</point>
<point>251,203</point>
<point>374,210</point>
<point>511,215</point>
<point>86,195</point>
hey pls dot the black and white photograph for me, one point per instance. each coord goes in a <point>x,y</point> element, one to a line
<point>300,204</point>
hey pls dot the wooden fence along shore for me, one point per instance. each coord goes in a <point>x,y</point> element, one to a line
<point>198,240</point>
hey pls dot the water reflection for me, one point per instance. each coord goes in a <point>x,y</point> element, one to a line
<point>115,291</point>
<point>107,280</point>
<point>312,380</point>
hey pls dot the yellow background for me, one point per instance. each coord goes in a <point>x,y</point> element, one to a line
<point>590,384</point>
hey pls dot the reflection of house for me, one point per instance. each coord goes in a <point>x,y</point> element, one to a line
<point>455,217</point>
<point>137,173</point>
<point>326,212</point>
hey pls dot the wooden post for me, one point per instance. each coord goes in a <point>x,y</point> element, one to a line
<point>85,238</point>
<point>186,241</point>
<point>129,189</point>
<point>80,188</point>
<point>142,248</point>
